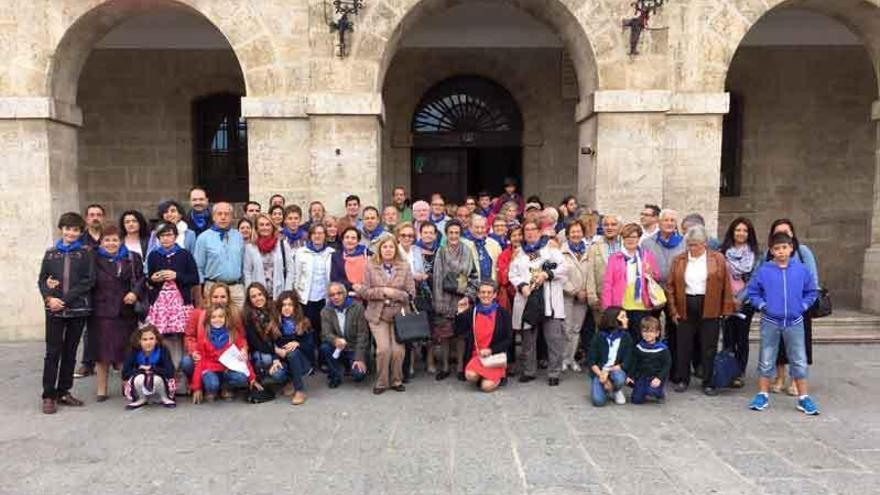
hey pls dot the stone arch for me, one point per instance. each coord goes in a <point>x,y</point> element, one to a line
<point>730,26</point>
<point>571,21</point>
<point>246,36</point>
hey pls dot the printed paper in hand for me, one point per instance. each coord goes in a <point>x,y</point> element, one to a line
<point>231,358</point>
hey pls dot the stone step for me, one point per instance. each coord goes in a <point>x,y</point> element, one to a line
<point>842,327</point>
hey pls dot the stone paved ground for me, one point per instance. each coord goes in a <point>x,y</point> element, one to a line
<point>446,438</point>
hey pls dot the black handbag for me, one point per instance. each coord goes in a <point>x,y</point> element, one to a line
<point>454,283</point>
<point>533,312</point>
<point>411,326</point>
<point>822,307</point>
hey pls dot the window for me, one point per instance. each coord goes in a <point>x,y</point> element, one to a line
<point>220,147</point>
<point>731,148</point>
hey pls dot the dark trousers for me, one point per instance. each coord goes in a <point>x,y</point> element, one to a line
<point>588,329</point>
<point>643,390</point>
<point>541,344</point>
<point>62,340</point>
<point>736,336</point>
<point>635,320</point>
<point>312,311</point>
<point>670,333</point>
<point>88,355</point>
<point>686,341</point>
<point>782,357</point>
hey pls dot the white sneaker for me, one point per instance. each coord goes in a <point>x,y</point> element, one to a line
<point>619,398</point>
<point>564,365</point>
<point>575,367</point>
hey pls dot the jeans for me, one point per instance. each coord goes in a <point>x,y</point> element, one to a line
<point>599,395</point>
<point>795,349</point>
<point>62,339</point>
<point>643,389</point>
<point>211,380</point>
<point>337,367</point>
<point>187,366</point>
<point>635,317</point>
<point>262,362</point>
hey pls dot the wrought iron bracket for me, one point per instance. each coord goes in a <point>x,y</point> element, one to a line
<point>344,24</point>
<point>644,9</point>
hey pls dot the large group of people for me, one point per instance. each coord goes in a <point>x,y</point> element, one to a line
<point>211,301</point>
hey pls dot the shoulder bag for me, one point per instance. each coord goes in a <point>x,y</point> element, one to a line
<point>411,326</point>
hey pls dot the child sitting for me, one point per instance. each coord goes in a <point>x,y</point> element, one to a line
<point>217,337</point>
<point>148,371</point>
<point>610,357</point>
<point>652,363</point>
<point>782,290</point>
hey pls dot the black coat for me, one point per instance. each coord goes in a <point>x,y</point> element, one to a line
<point>164,368</point>
<point>501,336</point>
<point>76,282</point>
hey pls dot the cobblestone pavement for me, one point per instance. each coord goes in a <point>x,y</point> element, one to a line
<point>447,438</point>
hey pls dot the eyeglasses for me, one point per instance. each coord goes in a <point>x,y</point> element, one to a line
<point>407,236</point>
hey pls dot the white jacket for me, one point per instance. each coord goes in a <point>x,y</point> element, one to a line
<point>253,267</point>
<point>521,270</point>
<point>304,260</point>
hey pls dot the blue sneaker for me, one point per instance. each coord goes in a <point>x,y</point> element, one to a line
<point>759,402</point>
<point>807,406</point>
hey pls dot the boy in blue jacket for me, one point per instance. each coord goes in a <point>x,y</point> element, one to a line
<point>782,290</point>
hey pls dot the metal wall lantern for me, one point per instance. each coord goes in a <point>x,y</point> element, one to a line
<point>644,9</point>
<point>343,24</point>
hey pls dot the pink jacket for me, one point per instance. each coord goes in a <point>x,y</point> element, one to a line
<point>614,285</point>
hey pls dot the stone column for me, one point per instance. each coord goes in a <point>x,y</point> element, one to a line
<point>871,268</point>
<point>651,146</point>
<point>38,182</point>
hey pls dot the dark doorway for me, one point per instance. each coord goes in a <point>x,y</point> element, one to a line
<point>220,147</point>
<point>467,138</point>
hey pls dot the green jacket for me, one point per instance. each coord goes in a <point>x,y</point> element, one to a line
<point>598,354</point>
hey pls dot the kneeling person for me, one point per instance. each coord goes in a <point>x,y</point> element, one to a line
<point>486,329</point>
<point>652,363</point>
<point>610,357</point>
<point>345,336</point>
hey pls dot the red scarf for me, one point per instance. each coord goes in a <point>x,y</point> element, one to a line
<point>266,244</point>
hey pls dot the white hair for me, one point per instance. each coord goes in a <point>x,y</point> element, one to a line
<point>696,234</point>
<point>668,212</point>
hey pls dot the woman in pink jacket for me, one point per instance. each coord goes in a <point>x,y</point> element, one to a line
<point>626,279</point>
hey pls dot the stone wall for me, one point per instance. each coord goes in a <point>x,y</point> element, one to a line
<point>533,76</point>
<point>808,152</point>
<point>136,143</point>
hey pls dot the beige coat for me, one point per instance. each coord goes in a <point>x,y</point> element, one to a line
<point>382,306</point>
<point>597,261</point>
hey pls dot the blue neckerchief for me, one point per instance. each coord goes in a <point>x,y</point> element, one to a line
<point>613,246</point>
<point>345,304</point>
<point>119,256</point>
<point>67,248</point>
<point>374,234</point>
<point>535,247</point>
<point>293,237</point>
<point>223,232</point>
<point>435,221</point>
<point>580,248</point>
<point>168,252</point>
<point>219,337</point>
<point>501,240</point>
<point>486,310</point>
<point>656,345</point>
<point>671,243</point>
<point>358,250</point>
<point>288,326</point>
<point>151,360</point>
<point>200,219</point>
<point>483,258</point>
<point>611,335</point>
<point>389,269</point>
<point>637,259</point>
<point>314,248</point>
<point>484,212</point>
<point>424,247</point>
<point>468,235</point>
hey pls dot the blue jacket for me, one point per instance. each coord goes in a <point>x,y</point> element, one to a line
<point>783,295</point>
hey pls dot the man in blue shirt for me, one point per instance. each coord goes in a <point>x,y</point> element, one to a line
<point>219,252</point>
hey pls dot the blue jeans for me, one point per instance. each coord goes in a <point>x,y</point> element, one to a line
<point>187,366</point>
<point>643,389</point>
<point>599,395</point>
<point>296,366</point>
<point>795,350</point>
<point>233,379</point>
<point>337,367</point>
<point>262,362</point>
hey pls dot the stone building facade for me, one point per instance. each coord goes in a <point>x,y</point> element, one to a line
<point>772,99</point>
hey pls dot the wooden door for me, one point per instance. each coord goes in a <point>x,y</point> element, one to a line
<point>444,171</point>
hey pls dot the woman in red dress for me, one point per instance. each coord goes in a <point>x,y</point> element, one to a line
<point>486,330</point>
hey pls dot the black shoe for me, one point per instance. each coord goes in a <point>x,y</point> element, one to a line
<point>441,375</point>
<point>525,378</point>
<point>681,387</point>
<point>461,376</point>
<point>542,364</point>
<point>333,384</point>
<point>503,382</point>
<point>710,391</point>
<point>553,382</point>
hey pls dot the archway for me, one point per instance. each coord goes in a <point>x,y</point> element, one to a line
<point>799,141</point>
<point>541,72</point>
<point>467,137</point>
<point>159,88</point>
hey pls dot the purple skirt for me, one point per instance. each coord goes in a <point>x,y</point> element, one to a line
<point>111,337</point>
